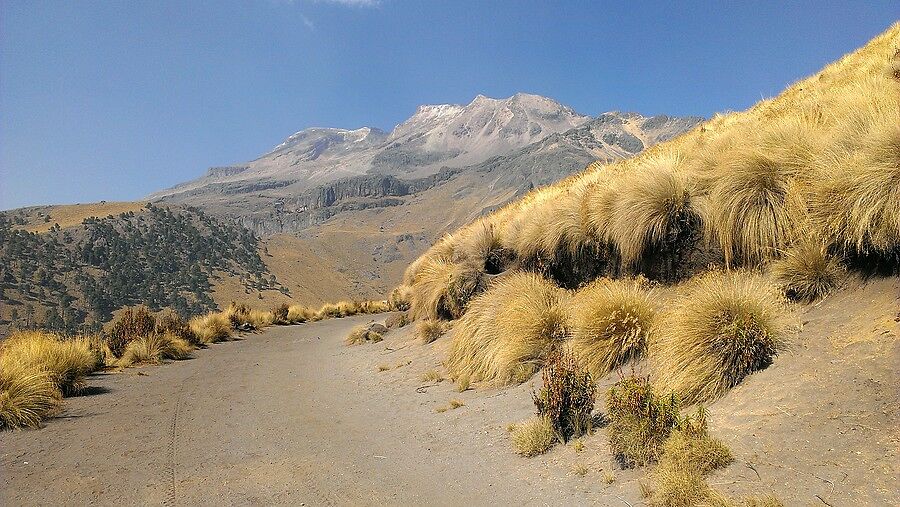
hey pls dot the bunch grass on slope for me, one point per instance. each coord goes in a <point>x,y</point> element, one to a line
<point>566,398</point>
<point>442,289</point>
<point>533,437</point>
<point>640,421</point>
<point>808,272</point>
<point>27,396</point>
<point>298,314</point>
<point>508,330</point>
<point>856,200</point>
<point>612,323</point>
<point>725,326</point>
<point>654,215</point>
<point>750,209</point>
<point>65,361</point>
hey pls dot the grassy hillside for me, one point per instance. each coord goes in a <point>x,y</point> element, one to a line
<point>681,264</point>
<point>74,278</point>
<point>814,169</point>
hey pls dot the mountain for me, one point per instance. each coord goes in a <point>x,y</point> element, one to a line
<point>522,141</point>
<point>435,137</point>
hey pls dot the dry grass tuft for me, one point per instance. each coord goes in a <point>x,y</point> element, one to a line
<point>153,348</point>
<point>65,361</point>
<point>653,212</point>
<point>430,330</point>
<point>639,421</point>
<point>688,455</point>
<point>298,314</point>
<point>612,323</point>
<point>27,396</point>
<point>432,376</point>
<point>364,334</point>
<point>856,200</point>
<point>463,383</point>
<point>750,207</point>
<point>442,289</point>
<point>580,469</point>
<point>454,404</point>
<point>726,326</point>
<point>716,499</point>
<point>808,272</point>
<point>509,330</point>
<point>399,298</point>
<point>211,328</point>
<point>533,437</point>
<point>608,477</point>
<point>280,314</point>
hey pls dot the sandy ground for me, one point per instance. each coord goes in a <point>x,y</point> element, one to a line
<point>293,416</point>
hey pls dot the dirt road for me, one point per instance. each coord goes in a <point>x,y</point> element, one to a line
<point>279,417</point>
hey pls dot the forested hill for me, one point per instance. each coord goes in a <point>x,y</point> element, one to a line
<point>73,278</point>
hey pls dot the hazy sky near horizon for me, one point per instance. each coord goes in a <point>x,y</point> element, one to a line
<point>114,100</point>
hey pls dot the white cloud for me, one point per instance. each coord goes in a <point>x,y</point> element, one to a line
<point>308,22</point>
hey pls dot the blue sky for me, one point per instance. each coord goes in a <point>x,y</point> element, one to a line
<point>113,100</point>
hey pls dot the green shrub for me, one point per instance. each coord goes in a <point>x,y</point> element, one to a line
<point>567,396</point>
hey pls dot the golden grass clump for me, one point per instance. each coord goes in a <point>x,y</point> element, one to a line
<point>612,323</point>
<point>688,455</point>
<point>533,437</point>
<point>716,499</point>
<point>428,330</point>
<point>479,244</point>
<point>171,322</point>
<point>364,333</point>
<point>211,328</point>
<point>65,361</point>
<point>153,348</point>
<point>652,212</point>
<point>807,271</point>
<point>280,314</point>
<point>27,396</point>
<point>856,201</point>
<point>726,325</point>
<point>298,314</point>
<point>509,330</point>
<point>442,289</point>
<point>399,298</point>
<point>750,209</point>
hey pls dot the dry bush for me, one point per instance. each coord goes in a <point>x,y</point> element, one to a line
<point>65,361</point>
<point>211,328</point>
<point>170,322</point>
<point>298,314</point>
<point>639,421</point>
<point>365,333</point>
<point>533,437</point>
<point>612,323</point>
<point>27,396</point>
<point>750,210</point>
<point>370,307</point>
<point>566,398</point>
<point>653,214</point>
<point>508,330</point>
<point>430,330</point>
<point>153,348</point>
<point>132,324</point>
<point>399,298</point>
<point>807,271</point>
<point>280,314</point>
<point>397,320</point>
<point>688,455</point>
<point>725,326</point>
